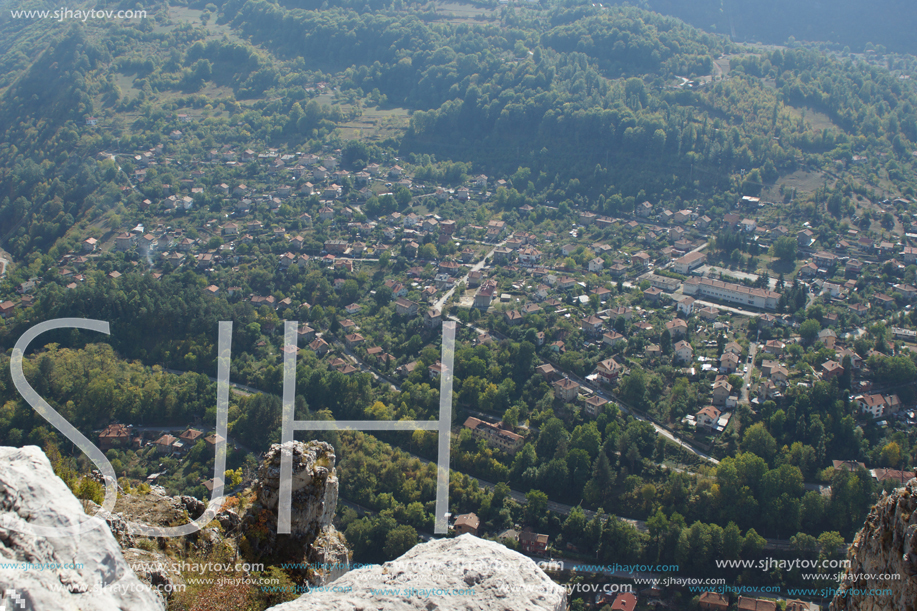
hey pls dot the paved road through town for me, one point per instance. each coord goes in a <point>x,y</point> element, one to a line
<point>464,279</point>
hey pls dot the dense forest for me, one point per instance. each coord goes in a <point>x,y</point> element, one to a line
<point>856,24</point>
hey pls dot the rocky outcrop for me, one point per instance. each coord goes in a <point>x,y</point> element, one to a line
<point>887,544</point>
<point>85,572</point>
<point>312,539</point>
<point>330,555</point>
<point>115,521</point>
<point>314,486</point>
<point>442,575</point>
<point>157,508</point>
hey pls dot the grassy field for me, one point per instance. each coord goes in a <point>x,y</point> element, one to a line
<point>376,124</point>
<point>126,83</point>
<point>373,124</point>
<point>818,121</point>
<point>458,12</point>
<point>721,67</point>
<point>775,266</point>
<point>181,14</point>
<point>804,181</point>
<point>210,90</point>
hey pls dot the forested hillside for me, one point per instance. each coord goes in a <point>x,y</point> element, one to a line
<point>588,101</point>
<point>847,23</point>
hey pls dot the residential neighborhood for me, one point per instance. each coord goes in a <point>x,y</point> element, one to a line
<point>618,317</point>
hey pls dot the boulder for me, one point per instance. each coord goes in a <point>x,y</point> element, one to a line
<point>194,506</point>
<point>66,573</point>
<point>443,575</point>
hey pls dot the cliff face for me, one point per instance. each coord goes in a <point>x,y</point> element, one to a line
<point>86,572</point>
<point>443,575</point>
<point>887,544</point>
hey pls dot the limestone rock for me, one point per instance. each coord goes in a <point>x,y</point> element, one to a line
<point>195,507</point>
<point>98,578</point>
<point>492,577</point>
<point>328,550</point>
<point>153,509</point>
<point>887,544</point>
<point>314,485</point>
<point>228,519</point>
<point>312,538</point>
<point>116,524</point>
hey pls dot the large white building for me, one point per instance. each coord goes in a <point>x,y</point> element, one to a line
<point>733,293</point>
<point>689,262</point>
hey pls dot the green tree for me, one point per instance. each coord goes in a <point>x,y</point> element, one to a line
<point>753,544</point>
<point>633,388</point>
<point>554,477</point>
<point>808,330</point>
<point>551,436</point>
<point>829,542</point>
<point>598,488</point>
<point>732,542</point>
<point>575,525</point>
<point>658,527</point>
<point>428,251</point>
<point>536,506</point>
<point>588,438</point>
<point>665,342</point>
<point>759,441</point>
<point>402,196</point>
<point>511,416</point>
<point>501,492</point>
<point>579,468</point>
<point>526,459</point>
<point>801,542</point>
<point>890,455</point>
<point>90,490</point>
<point>399,540</point>
<point>784,248</point>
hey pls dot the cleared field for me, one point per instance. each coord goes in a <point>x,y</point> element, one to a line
<point>460,9</point>
<point>325,98</point>
<point>209,91</point>
<point>802,180</point>
<point>126,83</point>
<point>376,124</point>
<point>721,67</point>
<point>775,267</point>
<point>181,14</point>
<point>816,120</point>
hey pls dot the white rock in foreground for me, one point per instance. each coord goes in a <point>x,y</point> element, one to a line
<point>31,494</point>
<point>461,574</point>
